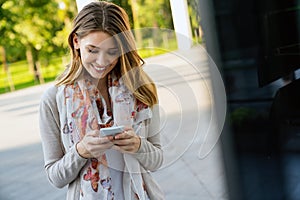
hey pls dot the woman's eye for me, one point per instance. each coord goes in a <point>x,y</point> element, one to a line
<point>92,51</point>
<point>112,53</point>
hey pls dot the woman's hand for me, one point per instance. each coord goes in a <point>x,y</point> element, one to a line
<point>127,141</point>
<point>92,145</point>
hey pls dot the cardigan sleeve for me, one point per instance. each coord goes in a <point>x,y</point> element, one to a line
<point>150,154</point>
<point>61,167</point>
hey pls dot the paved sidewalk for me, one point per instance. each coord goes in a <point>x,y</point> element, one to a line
<point>183,85</point>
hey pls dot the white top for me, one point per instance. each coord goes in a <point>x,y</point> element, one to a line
<point>63,164</point>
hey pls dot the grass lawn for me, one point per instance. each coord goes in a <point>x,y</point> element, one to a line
<point>21,76</point>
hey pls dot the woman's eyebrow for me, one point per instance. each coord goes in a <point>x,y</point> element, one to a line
<point>113,48</point>
<point>93,46</point>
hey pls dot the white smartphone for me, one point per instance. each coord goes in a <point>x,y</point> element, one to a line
<point>111,130</point>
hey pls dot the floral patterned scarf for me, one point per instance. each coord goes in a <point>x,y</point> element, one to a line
<point>86,110</point>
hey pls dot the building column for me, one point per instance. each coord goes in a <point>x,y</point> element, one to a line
<point>82,3</point>
<point>182,24</point>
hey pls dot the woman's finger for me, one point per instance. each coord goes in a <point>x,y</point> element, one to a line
<point>103,140</point>
<point>125,135</point>
<point>131,144</point>
<point>123,142</point>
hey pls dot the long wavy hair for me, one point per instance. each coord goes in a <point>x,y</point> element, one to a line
<point>113,20</point>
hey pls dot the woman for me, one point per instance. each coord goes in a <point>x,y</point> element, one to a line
<point>104,65</point>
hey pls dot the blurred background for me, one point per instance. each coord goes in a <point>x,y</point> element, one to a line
<point>254,43</point>
<point>33,45</point>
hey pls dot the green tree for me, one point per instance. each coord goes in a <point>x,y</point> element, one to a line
<point>38,27</point>
<point>154,16</point>
<point>157,15</point>
<point>8,43</point>
<point>147,14</point>
<point>126,5</point>
<point>193,8</point>
<point>66,12</point>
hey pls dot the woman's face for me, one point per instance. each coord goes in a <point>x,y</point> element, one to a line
<point>99,53</point>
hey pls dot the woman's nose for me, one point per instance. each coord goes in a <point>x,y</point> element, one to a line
<point>102,59</point>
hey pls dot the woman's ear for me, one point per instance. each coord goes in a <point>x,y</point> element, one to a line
<point>76,41</point>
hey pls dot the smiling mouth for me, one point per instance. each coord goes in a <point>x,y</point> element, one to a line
<point>99,68</point>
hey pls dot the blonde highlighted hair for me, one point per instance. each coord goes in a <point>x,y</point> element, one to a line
<point>113,20</point>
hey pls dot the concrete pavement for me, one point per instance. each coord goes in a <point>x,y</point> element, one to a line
<point>183,81</point>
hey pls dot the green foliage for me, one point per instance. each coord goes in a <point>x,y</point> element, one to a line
<point>155,14</point>
<point>125,4</point>
<point>41,25</point>
<point>36,4</point>
<point>193,8</point>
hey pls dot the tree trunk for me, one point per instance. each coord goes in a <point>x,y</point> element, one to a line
<point>33,63</point>
<point>30,60</point>
<point>3,59</point>
<point>6,69</point>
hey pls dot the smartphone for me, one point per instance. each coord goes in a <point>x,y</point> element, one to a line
<point>111,130</point>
